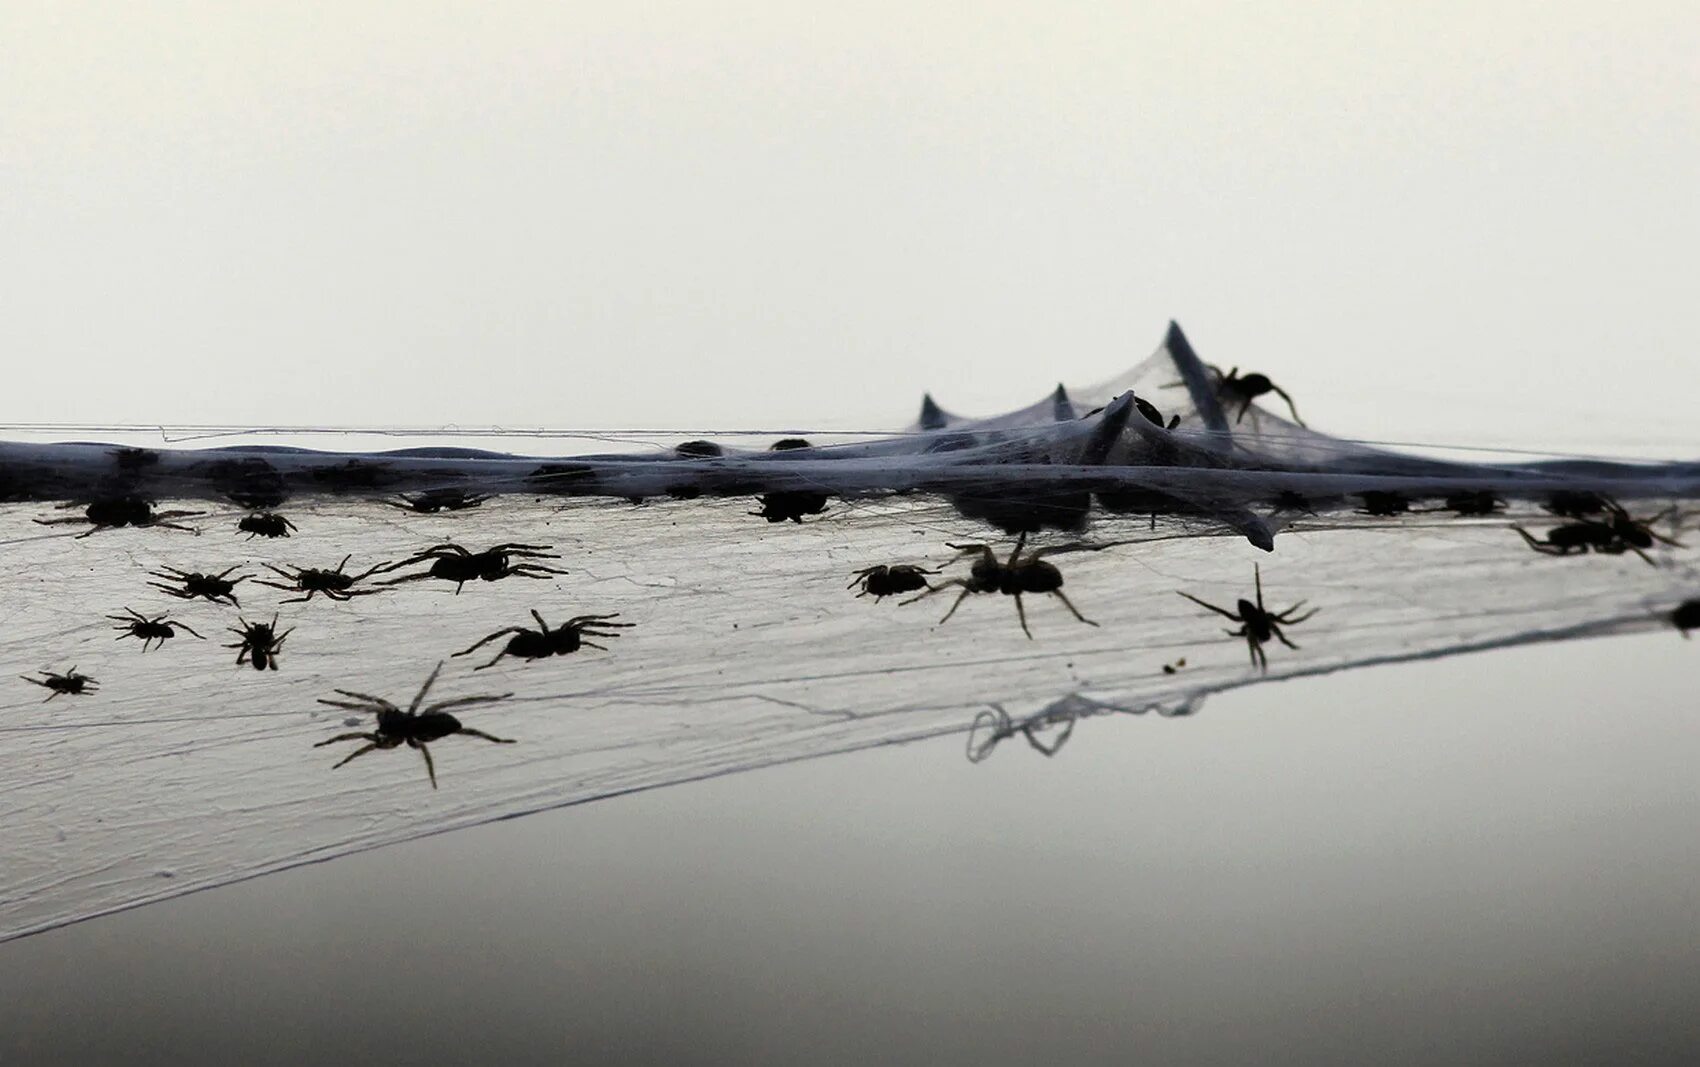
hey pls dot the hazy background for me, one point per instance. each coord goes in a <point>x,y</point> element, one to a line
<point>1449,223</point>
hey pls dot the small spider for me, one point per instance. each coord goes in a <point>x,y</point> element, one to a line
<point>790,504</point>
<point>1017,576</point>
<point>1258,625</point>
<point>1382,503</point>
<point>260,643</point>
<point>414,727</point>
<point>192,584</point>
<point>452,563</point>
<point>1617,533</point>
<point>1232,389</point>
<point>1686,616</point>
<point>543,642</point>
<point>1292,500</point>
<point>265,524</point>
<point>70,682</point>
<point>158,629</point>
<point>112,512</point>
<point>432,501</point>
<point>1471,502</point>
<point>1578,503</point>
<point>309,580</point>
<point>890,580</point>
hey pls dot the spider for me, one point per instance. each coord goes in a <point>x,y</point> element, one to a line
<point>1686,616</point>
<point>1470,502</point>
<point>544,641</point>
<point>113,512</point>
<point>133,459</point>
<point>1614,535</point>
<point>790,504</point>
<point>432,501</point>
<point>213,587</point>
<point>309,580</point>
<point>1382,503</point>
<point>260,642</point>
<point>265,524</point>
<point>70,682</point>
<point>889,580</point>
<point>1578,503</point>
<point>1232,389</point>
<point>158,629</point>
<point>1257,624</point>
<point>453,563</point>
<point>414,728</point>
<point>1292,500</point>
<point>1017,576</point>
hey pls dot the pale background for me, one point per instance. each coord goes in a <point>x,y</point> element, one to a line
<point>1452,223</point>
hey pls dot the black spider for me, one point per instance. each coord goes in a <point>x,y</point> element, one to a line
<point>265,524</point>
<point>1258,625</point>
<point>1617,533</point>
<point>1382,502</point>
<point>112,512</point>
<point>1232,389</point>
<point>1012,578</point>
<point>1686,617</point>
<point>1292,500</point>
<point>432,501</point>
<point>452,563</point>
<point>192,584</point>
<point>70,682</point>
<point>1471,502</point>
<point>260,643</point>
<point>158,629</point>
<point>890,580</point>
<point>1578,503</point>
<point>309,580</point>
<point>790,504</point>
<point>543,642</point>
<point>131,460</point>
<point>414,727</point>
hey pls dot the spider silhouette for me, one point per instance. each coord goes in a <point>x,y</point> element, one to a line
<point>265,524</point>
<point>192,584</point>
<point>1686,616</point>
<point>1012,578</point>
<point>452,563</point>
<point>260,643</point>
<point>112,512</point>
<point>1472,502</point>
<point>414,727</point>
<point>158,629</point>
<point>544,642</point>
<point>889,580</point>
<point>1257,624</point>
<point>1233,389</point>
<point>432,501</point>
<point>790,504</point>
<point>70,683</point>
<point>1617,533</point>
<point>1578,503</point>
<point>1383,503</point>
<point>309,580</point>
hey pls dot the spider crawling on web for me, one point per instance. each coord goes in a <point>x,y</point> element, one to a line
<point>1013,578</point>
<point>192,584</point>
<point>260,643</point>
<point>265,524</point>
<point>1257,624</point>
<point>544,642</point>
<point>414,727</point>
<point>452,563</point>
<point>432,501</point>
<point>889,580</point>
<point>113,512</point>
<point>158,629</point>
<point>1617,533</point>
<point>70,682</point>
<point>309,580</point>
<point>1233,389</point>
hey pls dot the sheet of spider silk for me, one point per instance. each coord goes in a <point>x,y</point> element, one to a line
<point>185,771</point>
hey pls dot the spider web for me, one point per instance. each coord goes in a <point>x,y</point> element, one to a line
<point>185,771</point>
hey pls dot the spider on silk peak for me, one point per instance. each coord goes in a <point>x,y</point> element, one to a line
<point>1011,578</point>
<point>416,727</point>
<point>1258,624</point>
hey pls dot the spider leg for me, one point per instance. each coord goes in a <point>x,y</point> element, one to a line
<point>1282,393</point>
<point>465,702</point>
<point>939,588</point>
<point>1644,557</point>
<point>1281,637</point>
<point>1245,406</point>
<point>178,526</point>
<point>541,625</point>
<point>1287,617</point>
<point>430,767</point>
<point>1058,593</point>
<point>492,663</point>
<point>1020,613</point>
<point>535,570</point>
<point>361,751</point>
<point>593,644</point>
<point>1015,553</point>
<point>983,551</point>
<point>355,736</point>
<point>583,622</point>
<point>480,733</point>
<point>374,702</point>
<point>492,637</point>
<point>953,607</point>
<point>420,696</point>
<point>186,626</point>
<point>1257,576</point>
<point>859,575</point>
<point>1205,604</point>
<point>404,578</point>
